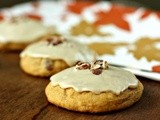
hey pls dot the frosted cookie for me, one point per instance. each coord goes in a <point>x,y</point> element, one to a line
<point>94,88</point>
<point>17,32</point>
<point>55,53</point>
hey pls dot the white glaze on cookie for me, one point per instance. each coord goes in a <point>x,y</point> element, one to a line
<point>69,51</point>
<point>113,79</point>
<point>22,30</point>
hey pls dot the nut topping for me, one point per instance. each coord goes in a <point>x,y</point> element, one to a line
<point>100,64</point>
<point>55,40</point>
<point>96,71</point>
<point>96,68</point>
<point>83,65</point>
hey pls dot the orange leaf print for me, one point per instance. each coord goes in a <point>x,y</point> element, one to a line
<point>78,7</point>
<point>149,12</point>
<point>34,16</point>
<point>156,68</point>
<point>115,16</point>
<point>1,17</point>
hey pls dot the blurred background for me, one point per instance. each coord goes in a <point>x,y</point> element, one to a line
<point>151,4</point>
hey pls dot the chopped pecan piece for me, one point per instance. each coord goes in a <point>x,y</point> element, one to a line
<point>100,64</point>
<point>55,40</point>
<point>83,65</point>
<point>96,71</point>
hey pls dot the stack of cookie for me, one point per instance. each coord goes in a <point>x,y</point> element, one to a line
<point>79,82</point>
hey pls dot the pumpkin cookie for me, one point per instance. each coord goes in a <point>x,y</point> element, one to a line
<point>17,32</point>
<point>55,53</point>
<point>94,88</point>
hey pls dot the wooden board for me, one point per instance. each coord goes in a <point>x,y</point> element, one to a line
<point>22,97</point>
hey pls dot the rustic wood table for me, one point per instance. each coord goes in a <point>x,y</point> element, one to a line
<point>22,97</point>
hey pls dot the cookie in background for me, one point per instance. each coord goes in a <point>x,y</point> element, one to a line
<point>17,32</point>
<point>53,54</point>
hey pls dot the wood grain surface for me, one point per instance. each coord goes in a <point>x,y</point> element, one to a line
<point>22,97</point>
